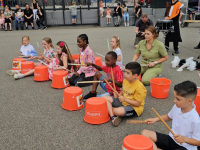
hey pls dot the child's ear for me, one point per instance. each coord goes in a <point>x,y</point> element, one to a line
<point>190,100</point>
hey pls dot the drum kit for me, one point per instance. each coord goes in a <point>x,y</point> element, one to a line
<point>165,26</point>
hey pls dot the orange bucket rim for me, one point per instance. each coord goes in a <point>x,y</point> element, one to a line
<point>160,83</point>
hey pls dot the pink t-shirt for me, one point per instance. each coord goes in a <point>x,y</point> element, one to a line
<point>108,12</point>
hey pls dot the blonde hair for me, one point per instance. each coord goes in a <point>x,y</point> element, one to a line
<point>117,41</point>
<point>73,3</point>
<point>48,40</point>
<point>26,37</point>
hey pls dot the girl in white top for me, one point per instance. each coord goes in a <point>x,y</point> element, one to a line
<point>115,44</point>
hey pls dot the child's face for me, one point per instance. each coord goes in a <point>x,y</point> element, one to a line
<point>113,43</point>
<point>6,10</point>
<point>19,10</point>
<point>59,49</point>
<point>46,45</point>
<point>129,76</point>
<point>122,5</point>
<point>181,102</point>
<point>109,61</point>
<point>80,43</point>
<point>1,11</point>
<point>25,41</point>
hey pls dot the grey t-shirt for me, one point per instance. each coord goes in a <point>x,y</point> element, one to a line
<point>142,26</point>
<point>74,10</point>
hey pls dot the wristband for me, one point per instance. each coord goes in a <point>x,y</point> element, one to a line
<point>155,62</point>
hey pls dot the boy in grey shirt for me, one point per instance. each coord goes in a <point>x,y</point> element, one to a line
<point>74,12</point>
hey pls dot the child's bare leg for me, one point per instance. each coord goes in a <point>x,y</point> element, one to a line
<point>152,136</point>
<point>107,20</point>
<point>74,20</point>
<point>26,24</point>
<point>31,72</point>
<point>97,76</point>
<point>6,26</point>
<point>10,26</point>
<point>119,111</point>
<point>109,100</point>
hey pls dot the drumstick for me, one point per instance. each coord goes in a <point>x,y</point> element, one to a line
<point>111,87</point>
<point>89,81</point>
<point>18,53</point>
<point>67,70</point>
<point>108,45</point>
<point>100,55</point>
<point>113,78</point>
<point>164,122</point>
<point>38,47</point>
<point>72,64</point>
<point>42,62</point>
<point>68,51</point>
<point>136,121</point>
<point>143,65</point>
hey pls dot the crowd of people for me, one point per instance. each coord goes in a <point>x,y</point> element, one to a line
<point>128,97</point>
<point>26,16</point>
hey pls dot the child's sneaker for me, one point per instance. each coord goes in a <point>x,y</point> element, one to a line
<point>18,76</point>
<point>12,72</point>
<point>124,24</point>
<point>89,95</point>
<point>116,120</point>
<point>45,28</point>
<point>127,24</point>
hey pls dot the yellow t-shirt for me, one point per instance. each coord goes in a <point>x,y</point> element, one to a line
<point>134,91</point>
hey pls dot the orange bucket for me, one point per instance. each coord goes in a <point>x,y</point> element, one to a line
<point>17,63</point>
<point>137,142</point>
<point>41,73</point>
<point>60,79</point>
<point>98,61</point>
<point>73,98</point>
<point>75,57</point>
<point>197,101</point>
<point>160,87</point>
<point>139,78</point>
<point>27,66</point>
<point>96,111</point>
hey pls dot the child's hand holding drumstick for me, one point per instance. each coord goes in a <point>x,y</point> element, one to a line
<point>151,120</point>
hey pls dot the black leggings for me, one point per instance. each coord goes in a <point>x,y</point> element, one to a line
<point>74,79</point>
<point>40,22</point>
<point>174,43</point>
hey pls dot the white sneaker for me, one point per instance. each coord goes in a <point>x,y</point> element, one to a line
<point>124,24</point>
<point>18,76</point>
<point>12,72</point>
<point>180,22</point>
<point>127,24</point>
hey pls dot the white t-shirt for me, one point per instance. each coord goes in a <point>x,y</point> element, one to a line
<point>118,52</point>
<point>187,124</point>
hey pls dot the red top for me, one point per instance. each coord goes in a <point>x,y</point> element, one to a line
<point>118,76</point>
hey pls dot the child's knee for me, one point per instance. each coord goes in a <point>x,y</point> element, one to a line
<point>145,132</point>
<point>108,98</point>
<point>98,74</point>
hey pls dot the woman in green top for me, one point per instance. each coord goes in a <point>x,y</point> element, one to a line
<point>153,55</point>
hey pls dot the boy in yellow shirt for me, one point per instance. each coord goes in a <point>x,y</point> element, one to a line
<point>132,98</point>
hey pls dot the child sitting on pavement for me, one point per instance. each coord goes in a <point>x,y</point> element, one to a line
<point>110,61</point>
<point>185,121</point>
<point>131,101</point>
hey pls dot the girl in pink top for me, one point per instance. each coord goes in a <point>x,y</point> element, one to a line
<point>108,11</point>
<point>61,61</point>
<point>86,56</point>
<point>1,18</point>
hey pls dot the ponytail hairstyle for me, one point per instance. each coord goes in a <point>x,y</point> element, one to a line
<point>49,41</point>
<point>117,41</point>
<point>152,29</point>
<point>65,50</point>
<point>84,37</point>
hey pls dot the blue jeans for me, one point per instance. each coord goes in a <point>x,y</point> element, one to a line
<point>126,16</point>
<point>21,24</point>
<point>103,86</point>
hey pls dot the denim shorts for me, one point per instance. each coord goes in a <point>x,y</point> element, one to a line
<point>74,16</point>
<point>103,86</point>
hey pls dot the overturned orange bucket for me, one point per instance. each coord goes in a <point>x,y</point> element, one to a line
<point>73,98</point>
<point>75,57</point>
<point>140,78</point>
<point>197,101</point>
<point>41,73</point>
<point>160,87</point>
<point>17,63</point>
<point>60,79</point>
<point>27,66</point>
<point>98,61</point>
<point>96,111</point>
<point>137,142</point>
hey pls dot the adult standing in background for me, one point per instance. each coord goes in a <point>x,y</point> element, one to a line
<point>35,8</point>
<point>40,18</point>
<point>28,16</point>
<point>137,11</point>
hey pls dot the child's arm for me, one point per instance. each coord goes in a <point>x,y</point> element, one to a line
<point>65,64</point>
<point>153,120</point>
<point>95,66</point>
<point>119,58</point>
<point>183,139</point>
<point>132,102</point>
<point>117,83</point>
